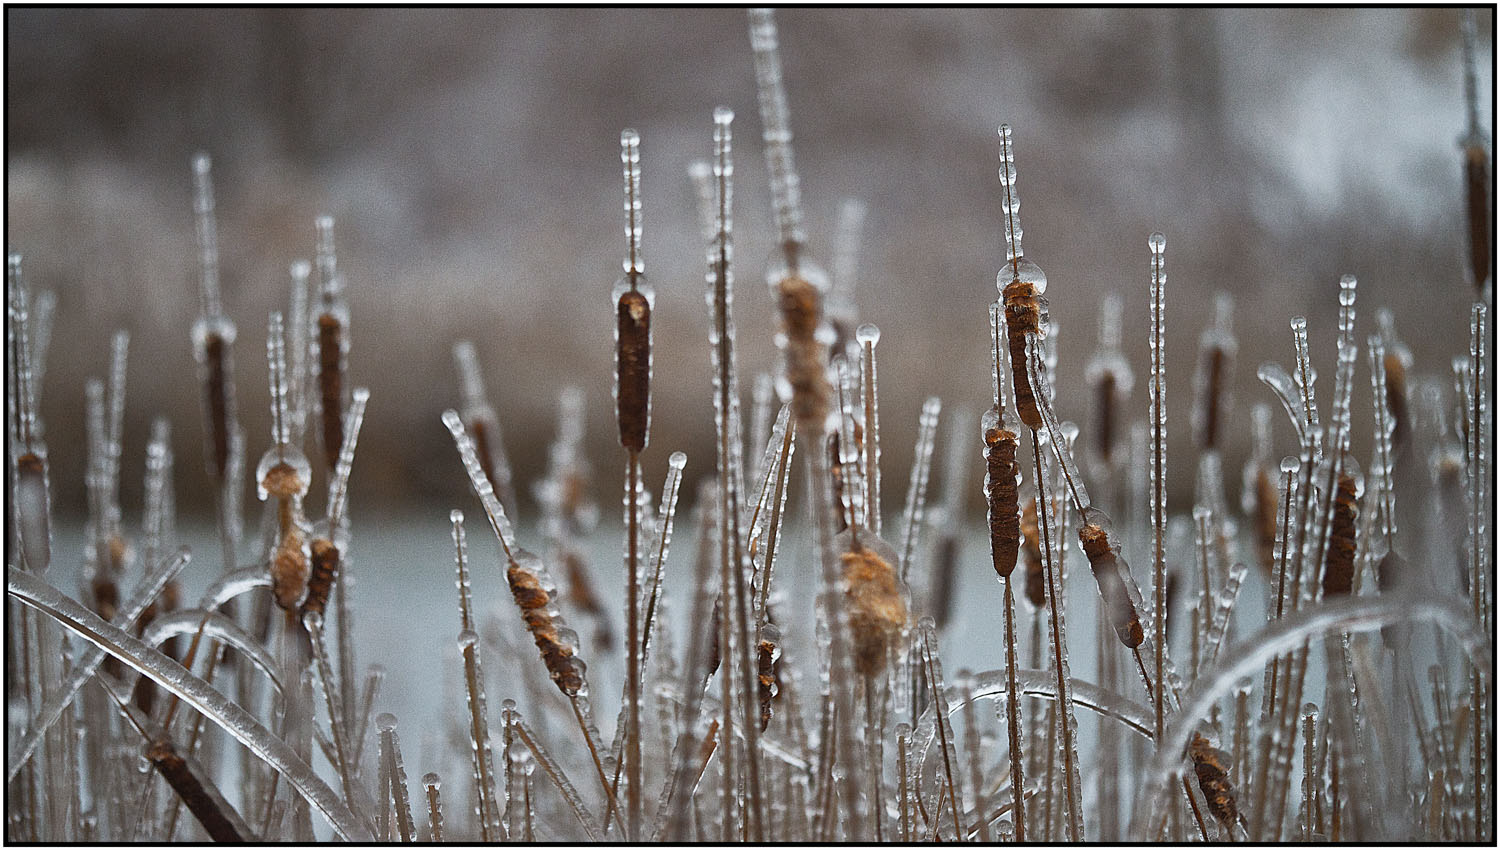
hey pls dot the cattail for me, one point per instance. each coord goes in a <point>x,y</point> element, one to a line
<point>333,341</point>
<point>581,594</point>
<point>1338,568</point>
<point>283,474</point>
<point>1031,545</point>
<point>1108,374</point>
<point>534,600</point>
<point>876,609</point>
<point>1213,779</point>
<point>325,554</point>
<point>1003,474</point>
<point>633,314</point>
<point>1476,163</point>
<point>483,425</point>
<point>213,332</point>
<point>1216,351</point>
<point>1105,566</point>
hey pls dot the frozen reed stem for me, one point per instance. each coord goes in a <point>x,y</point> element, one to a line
<point>312,622</point>
<point>1216,350</point>
<point>1110,379</point>
<point>633,412</point>
<point>32,489</point>
<point>867,335</point>
<point>284,474</point>
<point>213,333</point>
<point>431,783</point>
<point>555,773</point>
<point>914,514</point>
<point>734,564</point>
<point>332,342</point>
<point>1158,420</point>
<point>842,312</point>
<point>483,424</point>
<point>1022,285</point>
<point>201,696</point>
<point>486,803</point>
<point>390,756</point>
<point>1481,422</point>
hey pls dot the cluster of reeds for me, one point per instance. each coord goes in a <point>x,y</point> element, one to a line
<point>783,718</point>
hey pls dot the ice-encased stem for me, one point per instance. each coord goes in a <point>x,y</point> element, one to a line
<point>481,483</point>
<point>776,134</point>
<point>312,622</point>
<point>207,232</point>
<point>338,488</point>
<point>390,755</point>
<point>150,585</point>
<point>487,807</point>
<point>197,693</point>
<point>1480,422</point>
<point>1011,203</point>
<point>555,773</point>
<point>658,556</point>
<point>916,490</point>
<point>867,336</point>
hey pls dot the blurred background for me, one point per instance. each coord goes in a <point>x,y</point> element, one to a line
<point>470,158</point>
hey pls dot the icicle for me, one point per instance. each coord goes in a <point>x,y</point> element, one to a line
<point>208,701</point>
<point>207,231</point>
<point>1380,471</point>
<point>658,557</point>
<point>916,491</point>
<point>43,308</point>
<point>1223,608</point>
<point>701,174</point>
<point>761,416</point>
<point>867,335</point>
<point>338,487</point>
<point>1348,353</point>
<point>119,352</point>
<point>1480,422</point>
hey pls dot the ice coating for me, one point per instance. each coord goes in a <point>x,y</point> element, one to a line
<point>338,488</point>
<point>481,484</point>
<point>912,516</point>
<point>1305,377</point>
<point>630,158</point>
<point>842,311</point>
<point>481,420</point>
<point>83,670</point>
<point>701,175</point>
<point>297,349</point>
<point>390,750</point>
<point>211,703</point>
<point>43,307</point>
<point>486,805</point>
<point>431,783</point>
<point>283,470</point>
<point>868,335</point>
<point>119,354</point>
<point>22,387</point>
<point>1380,471</point>
<point>207,231</point>
<point>776,135</point>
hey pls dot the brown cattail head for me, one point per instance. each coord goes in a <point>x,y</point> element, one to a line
<point>876,608</point>
<point>1265,518</point>
<point>633,369</point>
<point>1213,397</point>
<point>1213,778</point>
<point>290,568</point>
<point>1001,482</point>
<point>216,387</point>
<point>325,570</point>
<point>715,641</point>
<point>1031,540</point>
<point>1477,181</point>
<point>1395,400</point>
<point>806,370</point>
<point>1338,567</point>
<point>331,384</point>
<point>1023,316</point>
<point>1105,400</point>
<point>1106,568</point>
<point>106,594</point>
<point>534,600</point>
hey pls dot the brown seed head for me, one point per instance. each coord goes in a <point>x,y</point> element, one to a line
<point>1106,568</point>
<point>877,613</point>
<point>283,482</point>
<point>532,599</point>
<point>290,569</point>
<point>633,369</point>
<point>1213,778</point>
<point>1003,500</point>
<point>1338,569</point>
<point>1023,316</point>
<point>801,314</point>
<point>1031,545</point>
<point>325,570</point>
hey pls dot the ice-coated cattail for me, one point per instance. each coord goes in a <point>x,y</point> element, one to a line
<point>324,552</point>
<point>876,607</point>
<point>1002,472</point>
<point>633,314</point>
<point>1216,350</point>
<point>1343,530</point>
<point>332,341</point>
<point>768,670</point>
<point>212,813</point>
<point>1104,563</point>
<point>1475,145</point>
<point>1213,779</point>
<point>1031,546</point>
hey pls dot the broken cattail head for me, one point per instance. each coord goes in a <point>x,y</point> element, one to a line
<point>633,301</point>
<point>1213,779</point>
<point>325,570</point>
<point>1106,568</point>
<point>874,598</point>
